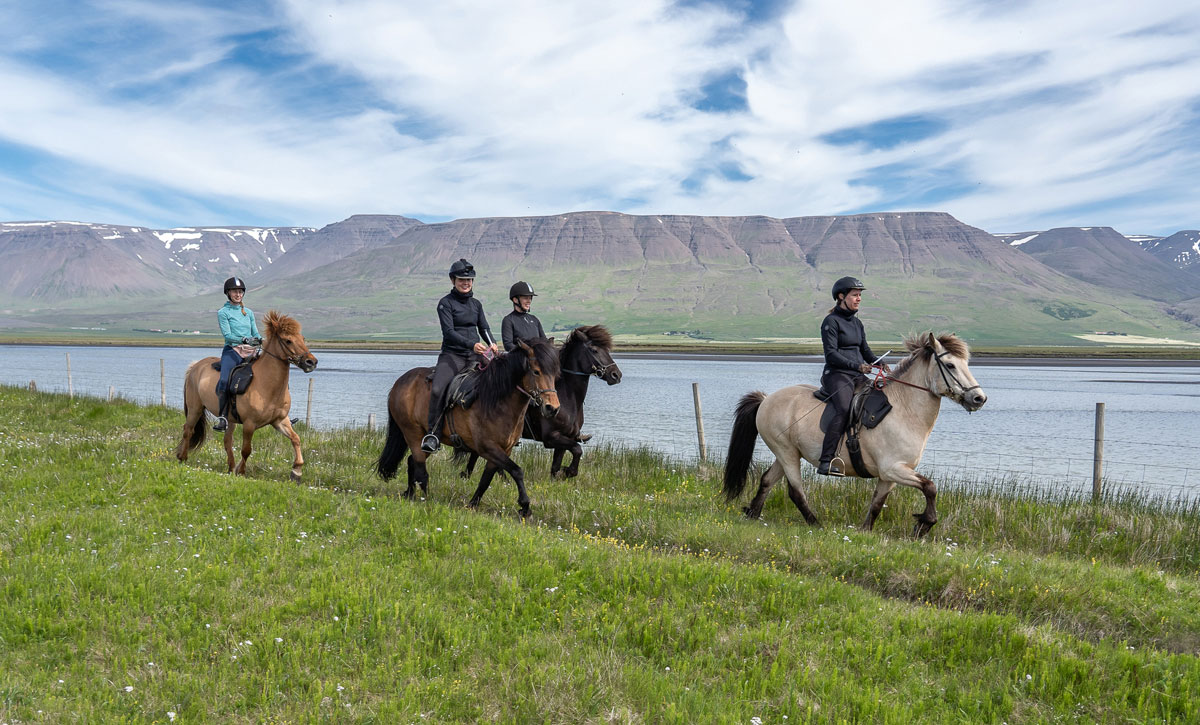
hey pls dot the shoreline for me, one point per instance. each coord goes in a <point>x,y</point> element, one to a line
<point>1142,357</point>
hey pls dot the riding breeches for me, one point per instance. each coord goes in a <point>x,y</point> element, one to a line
<point>448,365</point>
<point>229,360</point>
<point>840,387</point>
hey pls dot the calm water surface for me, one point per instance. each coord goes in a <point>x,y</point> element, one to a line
<point>1038,422</point>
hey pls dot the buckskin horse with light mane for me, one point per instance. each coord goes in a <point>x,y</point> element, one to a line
<point>789,422</point>
<point>489,428</point>
<point>587,351</point>
<point>266,402</point>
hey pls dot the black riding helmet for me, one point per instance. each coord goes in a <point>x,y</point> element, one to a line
<point>234,283</point>
<point>521,289</point>
<point>844,285</point>
<point>462,269</point>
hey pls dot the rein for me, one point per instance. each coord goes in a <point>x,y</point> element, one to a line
<point>947,377</point>
<point>294,360</point>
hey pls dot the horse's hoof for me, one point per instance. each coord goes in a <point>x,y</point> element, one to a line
<point>572,474</point>
<point>295,477</point>
<point>464,475</point>
<point>525,512</point>
<point>557,475</point>
<point>751,514</point>
<point>408,495</point>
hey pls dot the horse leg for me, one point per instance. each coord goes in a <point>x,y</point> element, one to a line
<point>285,427</point>
<point>484,481</point>
<point>791,468</point>
<point>229,447</point>
<point>498,458</point>
<point>194,427</point>
<point>556,462</point>
<point>466,472</point>
<point>768,479</point>
<point>904,474</point>
<point>576,454</point>
<point>411,492</point>
<point>882,489</point>
<point>247,434</point>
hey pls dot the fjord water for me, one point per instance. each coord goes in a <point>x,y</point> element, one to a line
<point>1037,426</point>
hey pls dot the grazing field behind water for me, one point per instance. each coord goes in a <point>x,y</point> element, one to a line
<point>133,588</point>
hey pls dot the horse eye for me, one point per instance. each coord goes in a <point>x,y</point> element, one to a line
<point>950,365</point>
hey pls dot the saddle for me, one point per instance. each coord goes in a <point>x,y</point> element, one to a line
<point>868,407</point>
<point>463,389</point>
<point>239,382</point>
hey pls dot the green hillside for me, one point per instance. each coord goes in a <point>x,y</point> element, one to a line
<point>139,589</point>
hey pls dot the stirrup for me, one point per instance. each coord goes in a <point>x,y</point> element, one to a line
<point>430,443</point>
<point>220,424</point>
<point>839,471</point>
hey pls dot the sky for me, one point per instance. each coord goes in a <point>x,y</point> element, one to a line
<point>1011,115</point>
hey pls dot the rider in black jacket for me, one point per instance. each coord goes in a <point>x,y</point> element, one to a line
<point>847,359</point>
<point>520,324</point>
<point>463,324</point>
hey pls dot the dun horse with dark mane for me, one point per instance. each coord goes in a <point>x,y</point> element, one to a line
<point>266,402</point>
<point>789,422</point>
<point>489,428</point>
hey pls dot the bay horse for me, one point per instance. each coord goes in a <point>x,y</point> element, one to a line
<point>789,422</point>
<point>266,402</point>
<point>587,351</point>
<point>489,428</point>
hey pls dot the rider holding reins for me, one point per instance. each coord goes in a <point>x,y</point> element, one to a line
<point>847,360</point>
<point>520,324</point>
<point>241,336</point>
<point>463,324</point>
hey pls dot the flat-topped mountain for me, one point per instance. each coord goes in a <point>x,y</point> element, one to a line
<point>706,277</point>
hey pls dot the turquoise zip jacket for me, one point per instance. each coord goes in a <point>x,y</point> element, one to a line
<point>235,325</point>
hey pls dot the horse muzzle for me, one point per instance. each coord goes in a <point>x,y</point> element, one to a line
<point>613,377</point>
<point>973,400</point>
<point>549,411</point>
<point>307,364</point>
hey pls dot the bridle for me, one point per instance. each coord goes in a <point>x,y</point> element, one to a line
<point>598,370</point>
<point>291,360</point>
<point>948,377</point>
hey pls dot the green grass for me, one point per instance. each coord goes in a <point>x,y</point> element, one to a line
<point>635,594</point>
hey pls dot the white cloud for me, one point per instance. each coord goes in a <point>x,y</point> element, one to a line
<point>470,109</point>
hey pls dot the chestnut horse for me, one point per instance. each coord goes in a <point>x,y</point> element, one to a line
<point>266,402</point>
<point>489,428</point>
<point>587,351</point>
<point>789,422</point>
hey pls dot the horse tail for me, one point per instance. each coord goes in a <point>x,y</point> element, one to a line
<point>393,451</point>
<point>741,443</point>
<point>199,432</point>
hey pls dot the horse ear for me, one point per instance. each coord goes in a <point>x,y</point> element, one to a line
<point>550,339</point>
<point>932,341</point>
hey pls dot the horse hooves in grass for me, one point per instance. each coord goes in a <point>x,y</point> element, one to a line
<point>922,526</point>
<point>751,514</point>
<point>294,476</point>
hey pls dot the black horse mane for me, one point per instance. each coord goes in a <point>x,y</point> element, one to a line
<point>919,349</point>
<point>598,335</point>
<point>497,381</point>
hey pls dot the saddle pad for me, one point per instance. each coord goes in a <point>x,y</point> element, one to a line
<point>875,408</point>
<point>241,377</point>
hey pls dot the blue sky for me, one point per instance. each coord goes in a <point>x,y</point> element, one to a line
<point>1012,116</point>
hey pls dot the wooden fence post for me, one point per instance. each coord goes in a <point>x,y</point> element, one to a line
<point>1098,454</point>
<point>699,422</point>
<point>70,383</point>
<point>308,412</point>
<point>111,392</point>
<point>162,379</point>
<point>370,421</point>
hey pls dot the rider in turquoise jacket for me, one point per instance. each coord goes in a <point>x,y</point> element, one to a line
<point>238,328</point>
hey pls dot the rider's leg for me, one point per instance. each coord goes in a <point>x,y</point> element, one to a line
<point>229,360</point>
<point>448,365</point>
<point>841,389</point>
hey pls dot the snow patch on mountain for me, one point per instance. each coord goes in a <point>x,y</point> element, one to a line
<point>1022,240</point>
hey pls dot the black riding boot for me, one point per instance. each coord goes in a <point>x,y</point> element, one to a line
<point>222,421</point>
<point>833,436</point>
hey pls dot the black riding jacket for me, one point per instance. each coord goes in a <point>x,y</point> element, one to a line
<point>845,342</point>
<point>519,326</point>
<point>463,323</point>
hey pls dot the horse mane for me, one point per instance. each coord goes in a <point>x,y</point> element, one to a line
<point>919,349</point>
<point>598,335</point>
<point>278,324</point>
<point>495,382</point>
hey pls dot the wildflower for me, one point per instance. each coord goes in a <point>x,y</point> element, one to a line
<point>128,688</point>
<point>171,715</point>
<point>278,640</point>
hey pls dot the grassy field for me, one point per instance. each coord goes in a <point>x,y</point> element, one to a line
<point>133,588</point>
